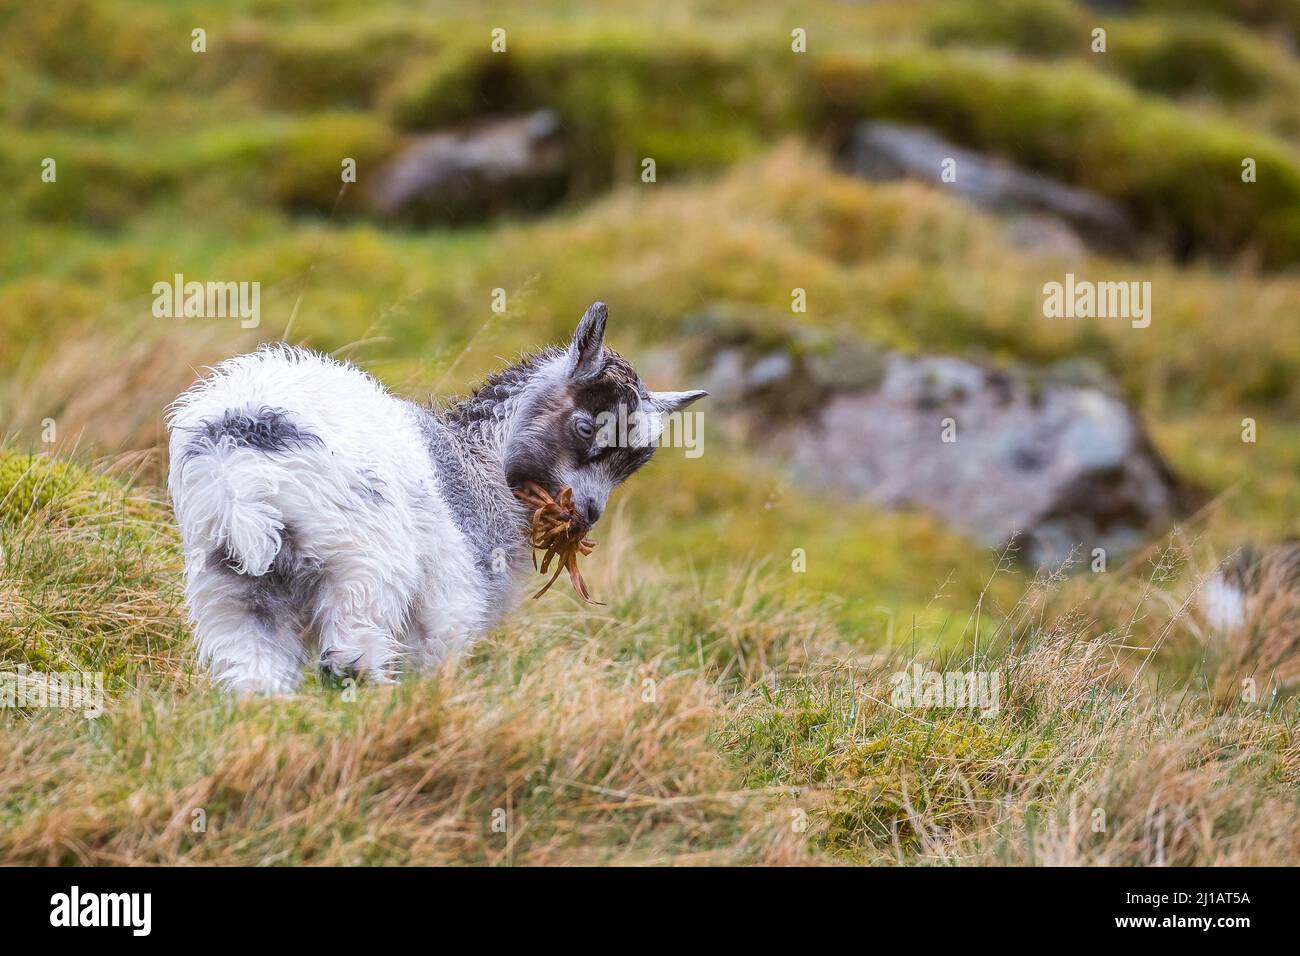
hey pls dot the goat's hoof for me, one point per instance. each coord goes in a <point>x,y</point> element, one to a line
<point>335,669</point>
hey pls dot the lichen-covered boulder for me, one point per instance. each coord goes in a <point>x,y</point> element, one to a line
<point>1051,461</point>
<point>471,172</point>
<point>884,151</point>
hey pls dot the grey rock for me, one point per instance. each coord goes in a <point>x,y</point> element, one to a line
<point>770,369</point>
<point>846,365</point>
<point>475,171</point>
<point>1050,458</point>
<point>1045,235</point>
<point>739,361</point>
<point>726,376</point>
<point>885,151</point>
<point>1056,468</point>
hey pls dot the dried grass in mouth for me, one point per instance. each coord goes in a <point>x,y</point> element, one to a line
<point>558,531</point>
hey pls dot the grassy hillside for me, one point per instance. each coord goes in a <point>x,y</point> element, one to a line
<point>684,723</point>
<point>767,732</point>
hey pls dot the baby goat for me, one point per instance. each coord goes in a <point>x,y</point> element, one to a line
<point>320,513</point>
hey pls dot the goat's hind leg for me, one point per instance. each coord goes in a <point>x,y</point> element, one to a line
<point>248,629</point>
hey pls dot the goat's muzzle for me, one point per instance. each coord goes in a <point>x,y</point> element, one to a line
<point>558,530</point>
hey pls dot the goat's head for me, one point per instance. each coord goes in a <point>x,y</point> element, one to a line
<point>587,420</point>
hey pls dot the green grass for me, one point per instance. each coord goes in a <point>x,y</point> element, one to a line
<point>696,100</point>
<point>90,573</point>
<point>688,721</point>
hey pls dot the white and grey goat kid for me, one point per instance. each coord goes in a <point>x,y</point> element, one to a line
<point>322,516</point>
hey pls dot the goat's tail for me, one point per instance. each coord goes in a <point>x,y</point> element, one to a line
<point>225,485</point>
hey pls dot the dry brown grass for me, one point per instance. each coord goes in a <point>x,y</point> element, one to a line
<point>689,722</point>
<point>114,405</point>
<point>571,763</point>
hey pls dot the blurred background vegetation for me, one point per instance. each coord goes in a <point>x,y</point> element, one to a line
<point>225,165</point>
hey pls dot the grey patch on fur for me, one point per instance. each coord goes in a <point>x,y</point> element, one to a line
<point>487,402</point>
<point>283,596</point>
<point>481,504</point>
<point>476,472</point>
<point>263,429</point>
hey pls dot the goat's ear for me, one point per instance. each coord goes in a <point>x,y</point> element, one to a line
<point>587,350</point>
<point>669,402</point>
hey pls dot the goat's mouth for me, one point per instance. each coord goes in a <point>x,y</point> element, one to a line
<point>558,530</point>
<point>534,494</point>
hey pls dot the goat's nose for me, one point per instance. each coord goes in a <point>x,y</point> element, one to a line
<point>593,511</point>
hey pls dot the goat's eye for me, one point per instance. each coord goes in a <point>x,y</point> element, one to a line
<point>584,428</point>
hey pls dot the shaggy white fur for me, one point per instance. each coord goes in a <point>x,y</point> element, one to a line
<point>319,512</point>
<point>345,491</point>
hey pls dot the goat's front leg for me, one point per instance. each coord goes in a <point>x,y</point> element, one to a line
<point>429,642</point>
<point>445,618</point>
<point>360,614</point>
